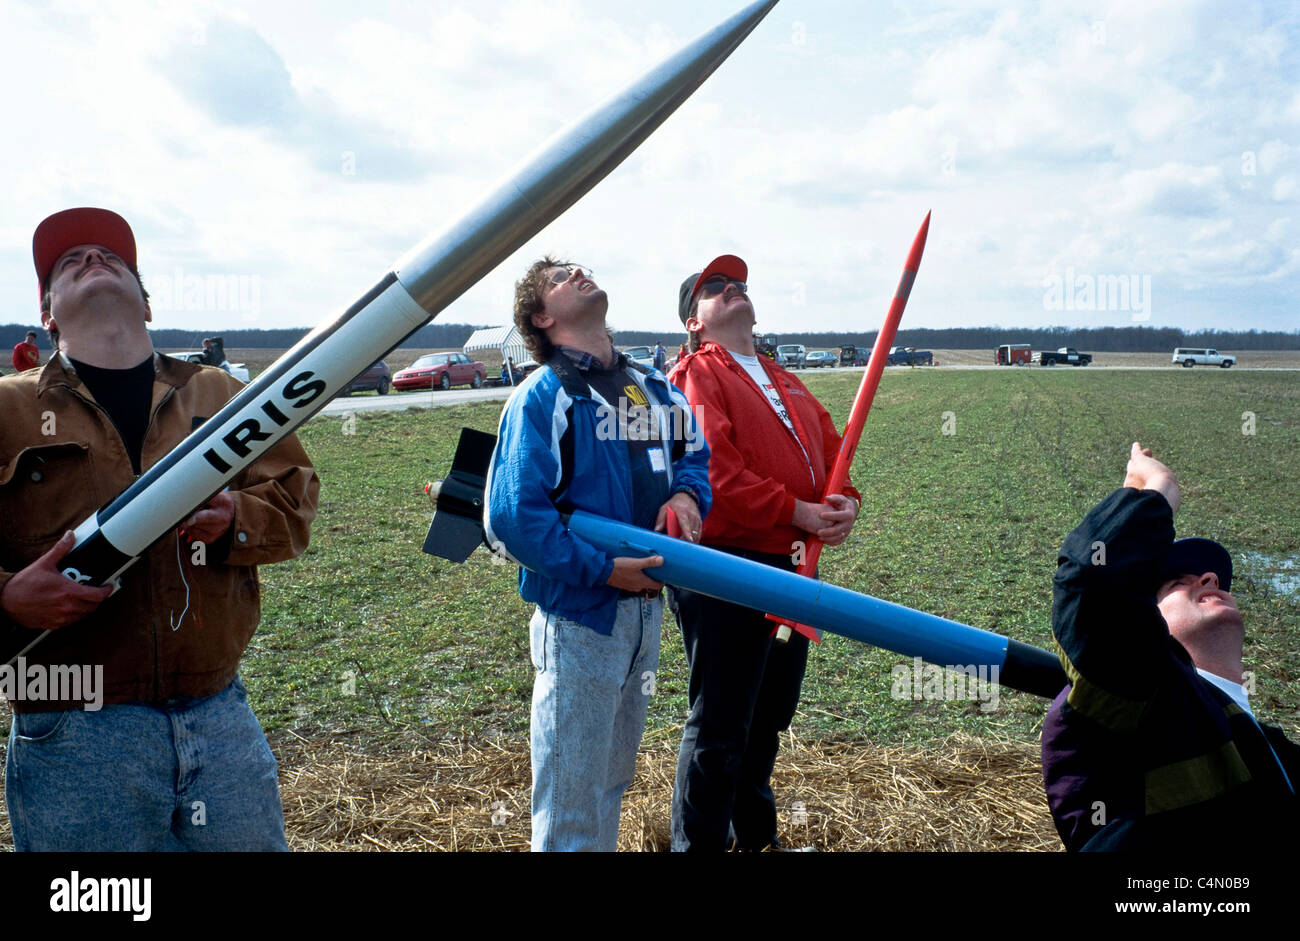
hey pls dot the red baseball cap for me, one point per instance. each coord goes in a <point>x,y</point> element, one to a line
<point>73,227</point>
<point>730,265</point>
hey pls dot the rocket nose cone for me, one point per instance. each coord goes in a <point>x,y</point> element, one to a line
<point>730,32</point>
<point>570,163</point>
<point>918,243</point>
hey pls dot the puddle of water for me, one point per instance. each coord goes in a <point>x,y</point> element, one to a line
<point>1281,573</point>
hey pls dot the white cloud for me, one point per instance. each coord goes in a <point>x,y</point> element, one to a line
<point>1272,155</point>
<point>1104,137</point>
<point>1173,189</point>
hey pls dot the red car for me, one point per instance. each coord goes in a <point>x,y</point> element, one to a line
<point>443,370</point>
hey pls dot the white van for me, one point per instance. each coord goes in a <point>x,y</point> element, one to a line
<point>1190,357</point>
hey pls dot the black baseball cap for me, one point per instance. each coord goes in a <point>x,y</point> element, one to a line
<point>1196,557</point>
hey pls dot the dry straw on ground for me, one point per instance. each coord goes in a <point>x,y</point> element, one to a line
<point>967,794</point>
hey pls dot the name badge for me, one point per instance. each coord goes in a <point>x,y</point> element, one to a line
<point>657,463</point>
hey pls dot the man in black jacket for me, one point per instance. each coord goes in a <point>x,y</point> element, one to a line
<point>1153,745</point>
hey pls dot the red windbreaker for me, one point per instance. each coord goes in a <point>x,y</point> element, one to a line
<point>756,467</point>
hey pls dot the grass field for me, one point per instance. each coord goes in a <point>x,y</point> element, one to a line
<point>395,687</point>
<point>365,633</point>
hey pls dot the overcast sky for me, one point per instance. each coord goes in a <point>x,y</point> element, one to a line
<point>1087,163</point>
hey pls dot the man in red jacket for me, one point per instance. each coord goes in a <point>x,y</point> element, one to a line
<point>26,355</point>
<point>771,449</point>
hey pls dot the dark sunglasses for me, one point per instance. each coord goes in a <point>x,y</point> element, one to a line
<point>719,284</point>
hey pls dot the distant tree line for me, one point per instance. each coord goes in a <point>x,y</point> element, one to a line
<point>1088,339</point>
<point>430,336</point>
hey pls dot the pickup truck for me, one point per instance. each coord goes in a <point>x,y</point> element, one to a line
<point>1193,357</point>
<point>791,356</point>
<point>1066,354</point>
<point>910,356</point>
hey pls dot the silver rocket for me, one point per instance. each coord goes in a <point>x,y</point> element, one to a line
<point>421,284</point>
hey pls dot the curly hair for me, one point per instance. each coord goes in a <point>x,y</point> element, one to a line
<point>528,301</point>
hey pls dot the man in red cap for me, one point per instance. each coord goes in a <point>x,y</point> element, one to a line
<point>131,728</point>
<point>26,355</point>
<point>1154,745</point>
<point>772,445</point>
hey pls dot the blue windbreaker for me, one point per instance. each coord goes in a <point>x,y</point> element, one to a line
<point>561,573</point>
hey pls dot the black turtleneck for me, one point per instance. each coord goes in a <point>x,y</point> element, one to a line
<point>126,395</point>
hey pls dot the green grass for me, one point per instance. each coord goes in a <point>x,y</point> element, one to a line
<point>365,632</point>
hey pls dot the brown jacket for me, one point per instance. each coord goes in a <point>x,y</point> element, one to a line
<point>175,628</point>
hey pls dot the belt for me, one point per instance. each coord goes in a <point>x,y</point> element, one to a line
<point>647,594</point>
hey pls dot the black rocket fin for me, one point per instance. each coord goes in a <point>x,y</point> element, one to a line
<point>457,527</point>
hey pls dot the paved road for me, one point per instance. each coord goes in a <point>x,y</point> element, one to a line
<point>399,401</point>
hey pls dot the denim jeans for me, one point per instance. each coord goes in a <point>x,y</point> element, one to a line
<point>195,774</point>
<point>589,706</point>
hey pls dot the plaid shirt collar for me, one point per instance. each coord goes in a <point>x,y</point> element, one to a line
<point>586,362</point>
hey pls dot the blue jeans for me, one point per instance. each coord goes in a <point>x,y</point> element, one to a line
<point>195,774</point>
<point>589,705</point>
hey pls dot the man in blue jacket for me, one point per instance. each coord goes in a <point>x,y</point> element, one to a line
<point>589,431</point>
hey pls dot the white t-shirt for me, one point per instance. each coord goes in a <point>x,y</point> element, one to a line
<point>752,366</point>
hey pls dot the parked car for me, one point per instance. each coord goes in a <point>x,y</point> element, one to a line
<point>819,358</point>
<point>1192,357</point>
<point>1065,355</point>
<point>443,370</point>
<point>238,370</point>
<point>378,377</point>
<point>791,356</point>
<point>910,356</point>
<point>641,355</point>
<point>1014,354</point>
<point>854,355</point>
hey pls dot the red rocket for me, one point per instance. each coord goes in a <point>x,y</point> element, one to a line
<point>858,417</point>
